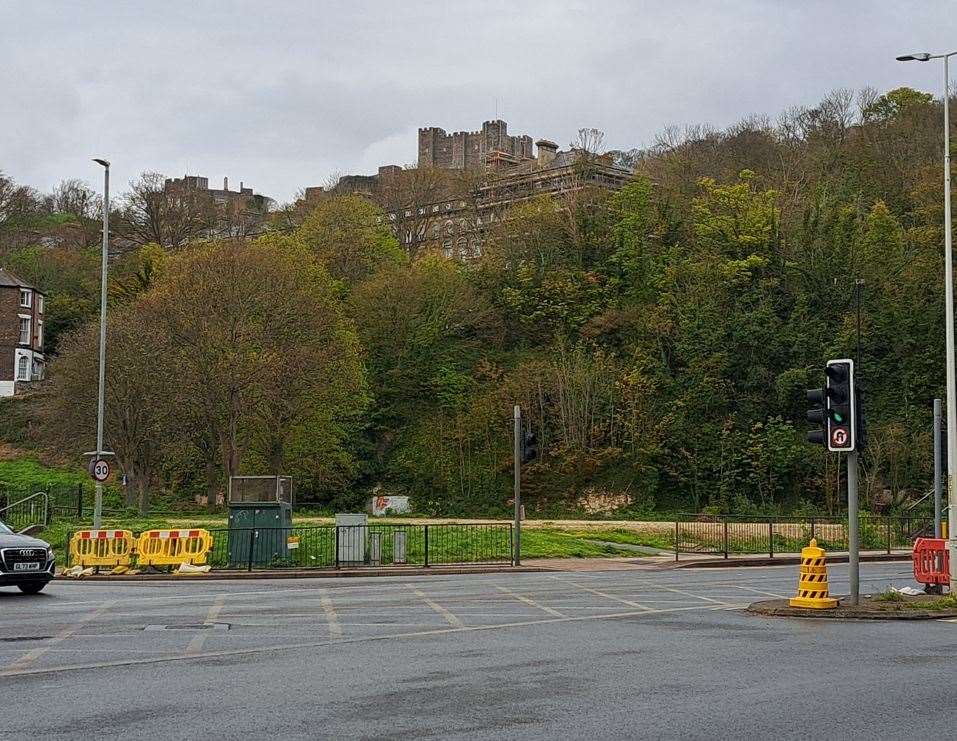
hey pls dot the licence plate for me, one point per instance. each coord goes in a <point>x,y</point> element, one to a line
<point>26,567</point>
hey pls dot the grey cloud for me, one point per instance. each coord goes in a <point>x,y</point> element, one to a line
<point>282,94</point>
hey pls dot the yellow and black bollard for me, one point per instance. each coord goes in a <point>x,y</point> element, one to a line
<point>812,583</point>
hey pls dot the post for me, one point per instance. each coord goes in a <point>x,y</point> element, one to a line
<point>853,527</point>
<point>517,452</point>
<point>426,545</point>
<point>101,394</point>
<point>949,328</point>
<point>79,501</point>
<point>676,540</point>
<point>938,469</point>
<point>337,547</point>
<point>725,538</point>
<point>249,564</point>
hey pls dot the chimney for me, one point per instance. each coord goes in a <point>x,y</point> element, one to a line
<point>546,151</point>
<point>225,183</point>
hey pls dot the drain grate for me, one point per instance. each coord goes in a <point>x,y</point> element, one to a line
<point>192,626</point>
<point>18,639</point>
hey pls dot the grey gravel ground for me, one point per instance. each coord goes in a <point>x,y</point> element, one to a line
<point>623,654</point>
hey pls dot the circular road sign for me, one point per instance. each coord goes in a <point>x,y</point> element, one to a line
<point>839,436</point>
<point>99,470</point>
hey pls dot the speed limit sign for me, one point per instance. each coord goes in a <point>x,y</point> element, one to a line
<point>99,470</point>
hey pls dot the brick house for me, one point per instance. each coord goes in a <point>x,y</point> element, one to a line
<point>21,334</point>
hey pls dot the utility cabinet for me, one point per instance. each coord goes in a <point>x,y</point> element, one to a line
<point>260,520</point>
<point>352,531</point>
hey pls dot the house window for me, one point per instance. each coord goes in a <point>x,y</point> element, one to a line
<point>26,298</point>
<point>24,330</point>
<point>39,303</point>
<point>23,368</point>
<point>37,370</point>
<point>39,334</point>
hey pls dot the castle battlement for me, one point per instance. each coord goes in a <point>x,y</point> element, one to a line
<point>469,150</point>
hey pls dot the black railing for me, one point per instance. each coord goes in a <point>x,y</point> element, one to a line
<point>350,546</point>
<point>734,534</point>
<point>32,510</point>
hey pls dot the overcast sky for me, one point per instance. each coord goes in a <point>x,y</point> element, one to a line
<point>284,94</point>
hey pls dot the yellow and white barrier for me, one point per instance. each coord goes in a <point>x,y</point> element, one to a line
<point>101,548</point>
<point>173,547</point>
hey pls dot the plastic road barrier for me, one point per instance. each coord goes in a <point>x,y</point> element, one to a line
<point>173,547</point>
<point>931,561</point>
<point>101,548</point>
<point>812,582</point>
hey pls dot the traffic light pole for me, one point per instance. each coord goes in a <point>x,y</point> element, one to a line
<point>853,525</point>
<point>517,527</point>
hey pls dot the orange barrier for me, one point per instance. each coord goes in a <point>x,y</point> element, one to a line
<point>101,548</point>
<point>173,547</point>
<point>931,561</point>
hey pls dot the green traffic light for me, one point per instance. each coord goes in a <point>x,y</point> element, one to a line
<point>838,417</point>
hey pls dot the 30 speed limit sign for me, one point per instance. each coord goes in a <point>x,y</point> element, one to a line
<point>99,470</point>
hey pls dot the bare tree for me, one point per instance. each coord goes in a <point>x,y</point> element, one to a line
<point>170,216</point>
<point>423,204</point>
<point>75,197</point>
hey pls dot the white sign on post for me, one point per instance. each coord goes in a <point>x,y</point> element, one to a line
<point>99,470</point>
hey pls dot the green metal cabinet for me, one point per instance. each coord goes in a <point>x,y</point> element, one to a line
<point>258,532</point>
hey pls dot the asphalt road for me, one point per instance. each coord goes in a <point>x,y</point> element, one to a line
<point>623,654</point>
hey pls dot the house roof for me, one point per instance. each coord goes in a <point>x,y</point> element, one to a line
<point>8,279</point>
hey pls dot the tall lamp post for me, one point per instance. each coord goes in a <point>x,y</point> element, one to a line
<point>101,394</point>
<point>948,321</point>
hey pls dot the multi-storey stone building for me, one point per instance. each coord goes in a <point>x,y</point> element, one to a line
<point>21,334</point>
<point>466,182</point>
<point>237,212</point>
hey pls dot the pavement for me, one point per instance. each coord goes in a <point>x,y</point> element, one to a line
<point>636,653</point>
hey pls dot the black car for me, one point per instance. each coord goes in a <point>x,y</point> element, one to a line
<point>25,562</point>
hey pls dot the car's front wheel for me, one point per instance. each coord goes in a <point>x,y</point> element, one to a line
<point>32,588</point>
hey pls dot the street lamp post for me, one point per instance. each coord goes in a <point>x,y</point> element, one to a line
<point>101,394</point>
<point>948,321</point>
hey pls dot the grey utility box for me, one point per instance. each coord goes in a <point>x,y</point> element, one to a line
<point>398,546</point>
<point>352,532</point>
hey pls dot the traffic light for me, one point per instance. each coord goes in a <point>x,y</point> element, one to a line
<point>834,409</point>
<point>840,393</point>
<point>529,447</point>
<point>816,415</point>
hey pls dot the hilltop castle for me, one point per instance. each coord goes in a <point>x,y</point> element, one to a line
<point>465,183</point>
<point>472,150</point>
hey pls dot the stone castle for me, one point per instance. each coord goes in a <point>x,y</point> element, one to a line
<point>472,150</point>
<point>453,213</point>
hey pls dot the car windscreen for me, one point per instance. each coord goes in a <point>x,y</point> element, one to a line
<point>4,529</point>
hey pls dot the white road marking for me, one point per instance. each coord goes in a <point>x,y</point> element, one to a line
<point>449,617</point>
<point>759,591</point>
<point>61,636</point>
<point>199,639</point>
<point>335,629</point>
<point>611,597</point>
<point>532,603</point>
<point>11,672</point>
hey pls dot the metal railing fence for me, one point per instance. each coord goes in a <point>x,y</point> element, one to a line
<point>329,546</point>
<point>29,511</point>
<point>735,534</point>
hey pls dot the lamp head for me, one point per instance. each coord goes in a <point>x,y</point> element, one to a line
<point>101,162</point>
<point>919,57</point>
